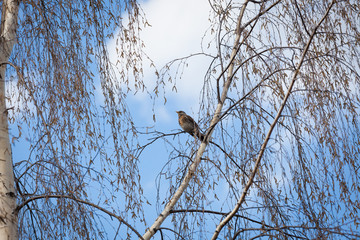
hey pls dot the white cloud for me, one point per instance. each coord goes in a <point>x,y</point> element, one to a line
<point>177,29</point>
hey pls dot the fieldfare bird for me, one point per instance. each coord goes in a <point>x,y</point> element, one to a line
<point>188,124</point>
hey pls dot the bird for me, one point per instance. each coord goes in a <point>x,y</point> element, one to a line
<point>188,124</point>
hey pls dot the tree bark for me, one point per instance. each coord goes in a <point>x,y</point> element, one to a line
<point>8,219</point>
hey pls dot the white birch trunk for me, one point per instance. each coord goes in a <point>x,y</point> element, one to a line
<point>8,219</point>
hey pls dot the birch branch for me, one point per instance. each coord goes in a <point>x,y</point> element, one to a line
<point>267,138</point>
<point>34,198</point>
<point>193,167</point>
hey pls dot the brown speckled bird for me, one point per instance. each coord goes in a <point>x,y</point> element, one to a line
<point>188,124</point>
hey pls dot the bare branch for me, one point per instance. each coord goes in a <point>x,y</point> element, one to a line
<point>34,198</point>
<point>267,138</point>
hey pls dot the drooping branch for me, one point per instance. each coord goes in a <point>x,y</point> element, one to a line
<point>267,138</point>
<point>238,216</point>
<point>27,201</point>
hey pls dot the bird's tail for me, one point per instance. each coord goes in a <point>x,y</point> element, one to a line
<point>201,136</point>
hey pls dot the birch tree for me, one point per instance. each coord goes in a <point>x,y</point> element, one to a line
<point>53,72</point>
<point>280,108</point>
